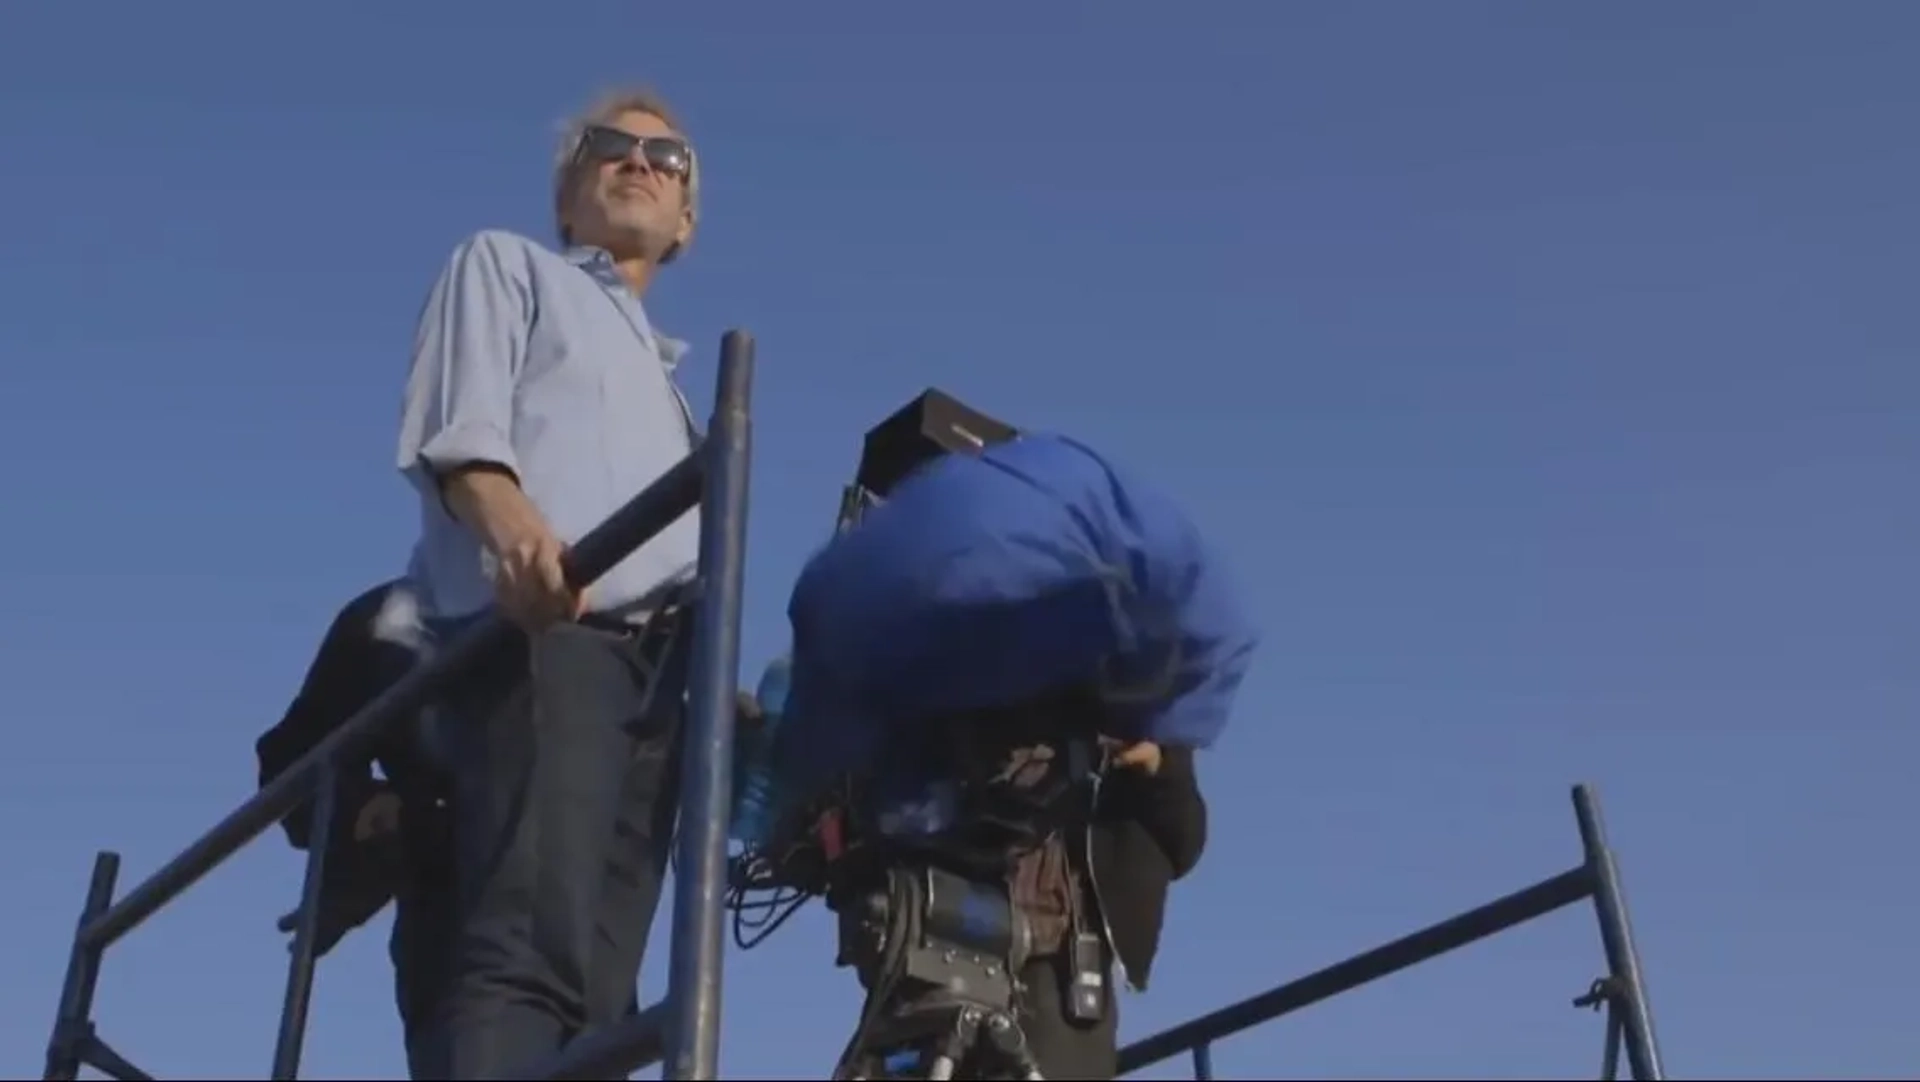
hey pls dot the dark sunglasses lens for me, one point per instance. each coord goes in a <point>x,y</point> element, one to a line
<point>608,144</point>
<point>669,156</point>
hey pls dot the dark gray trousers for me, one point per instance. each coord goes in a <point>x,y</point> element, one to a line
<point>421,948</point>
<point>565,765</point>
<point>1063,1047</point>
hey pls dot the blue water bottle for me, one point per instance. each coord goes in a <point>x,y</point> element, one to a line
<point>754,796</point>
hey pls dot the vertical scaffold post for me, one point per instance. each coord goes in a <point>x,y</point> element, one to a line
<point>692,1040</point>
<point>306,928</point>
<point>1627,990</point>
<point>73,1024</point>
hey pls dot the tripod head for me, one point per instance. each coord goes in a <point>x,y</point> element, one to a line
<point>938,953</point>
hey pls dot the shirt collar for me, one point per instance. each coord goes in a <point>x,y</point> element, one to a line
<point>672,351</point>
<point>598,263</point>
<point>595,261</point>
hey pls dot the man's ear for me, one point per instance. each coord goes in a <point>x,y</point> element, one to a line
<point>685,231</point>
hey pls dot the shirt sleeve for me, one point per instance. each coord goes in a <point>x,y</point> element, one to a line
<point>467,355</point>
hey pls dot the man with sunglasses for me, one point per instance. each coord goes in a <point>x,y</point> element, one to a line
<point>540,399</point>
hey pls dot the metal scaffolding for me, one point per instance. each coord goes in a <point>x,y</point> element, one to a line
<point>683,1029</point>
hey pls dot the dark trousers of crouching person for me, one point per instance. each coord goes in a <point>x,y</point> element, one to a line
<point>1148,829</point>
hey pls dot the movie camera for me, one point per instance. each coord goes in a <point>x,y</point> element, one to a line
<point>915,863</point>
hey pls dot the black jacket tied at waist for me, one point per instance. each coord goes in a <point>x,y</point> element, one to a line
<point>1148,830</point>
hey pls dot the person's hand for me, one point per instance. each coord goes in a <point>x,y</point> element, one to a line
<point>530,582</point>
<point>352,900</point>
<point>379,815</point>
<point>1143,756</point>
<point>338,915</point>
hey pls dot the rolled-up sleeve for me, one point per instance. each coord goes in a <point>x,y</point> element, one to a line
<point>467,354</point>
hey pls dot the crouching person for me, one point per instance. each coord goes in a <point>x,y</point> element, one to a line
<point>1030,596</point>
<point>390,839</point>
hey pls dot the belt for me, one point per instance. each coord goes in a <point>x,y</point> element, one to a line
<point>653,639</point>
<point>626,626</point>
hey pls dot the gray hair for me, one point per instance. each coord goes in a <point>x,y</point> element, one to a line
<point>605,109</point>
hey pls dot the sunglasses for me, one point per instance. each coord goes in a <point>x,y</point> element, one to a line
<point>662,153</point>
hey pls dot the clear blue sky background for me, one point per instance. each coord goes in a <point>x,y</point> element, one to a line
<point>1549,371</point>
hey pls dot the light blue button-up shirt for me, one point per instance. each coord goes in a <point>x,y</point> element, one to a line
<point>544,364</point>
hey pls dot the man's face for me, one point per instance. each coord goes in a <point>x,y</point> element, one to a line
<point>630,191</point>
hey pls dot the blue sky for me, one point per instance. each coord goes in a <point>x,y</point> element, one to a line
<point>1548,371</point>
